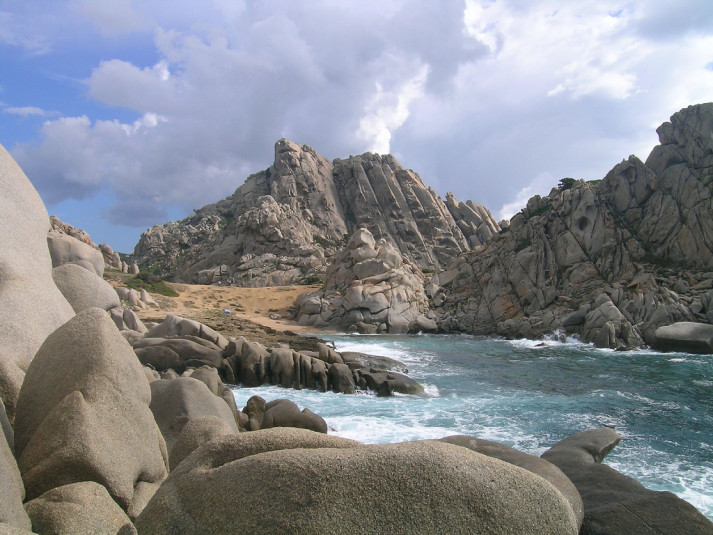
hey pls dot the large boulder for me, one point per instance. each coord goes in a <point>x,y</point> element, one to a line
<point>411,487</point>
<point>685,336</point>
<point>65,249</point>
<point>175,402</point>
<point>285,413</point>
<point>83,288</point>
<point>91,422</point>
<point>174,325</point>
<point>615,503</point>
<point>531,463</point>
<point>195,433</point>
<point>31,306</point>
<point>83,508</point>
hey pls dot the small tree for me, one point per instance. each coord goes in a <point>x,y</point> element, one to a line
<point>566,183</point>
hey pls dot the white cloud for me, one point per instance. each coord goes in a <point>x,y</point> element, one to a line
<point>542,184</point>
<point>476,96</point>
<point>26,111</point>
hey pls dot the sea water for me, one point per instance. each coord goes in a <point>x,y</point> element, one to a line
<point>531,394</point>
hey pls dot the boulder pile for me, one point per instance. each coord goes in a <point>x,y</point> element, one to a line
<point>369,288</point>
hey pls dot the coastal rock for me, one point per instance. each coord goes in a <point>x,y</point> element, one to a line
<point>285,413</point>
<point>531,463</point>
<point>31,306</point>
<point>78,508</point>
<point>684,336</point>
<point>369,288</point>
<point>65,249</point>
<point>194,434</point>
<point>83,289</point>
<point>282,224</point>
<point>175,402</point>
<point>386,488</point>
<point>613,502</point>
<point>174,325</point>
<point>92,421</point>
<point>609,261</point>
<point>12,490</point>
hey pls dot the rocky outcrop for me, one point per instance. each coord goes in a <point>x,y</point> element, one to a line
<point>369,288</point>
<point>685,336</point>
<point>610,260</point>
<point>615,503</point>
<point>31,306</point>
<point>282,224</point>
<point>386,488</point>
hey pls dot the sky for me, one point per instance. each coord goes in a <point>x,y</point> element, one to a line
<point>125,114</point>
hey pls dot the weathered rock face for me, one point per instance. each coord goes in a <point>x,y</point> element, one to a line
<point>369,288</point>
<point>610,260</point>
<point>31,306</point>
<point>282,223</point>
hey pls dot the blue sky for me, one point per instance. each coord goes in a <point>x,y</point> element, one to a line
<point>128,113</point>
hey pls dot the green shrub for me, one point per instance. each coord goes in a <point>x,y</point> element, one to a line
<point>309,281</point>
<point>523,244</point>
<point>428,271</point>
<point>152,283</point>
<point>541,210</point>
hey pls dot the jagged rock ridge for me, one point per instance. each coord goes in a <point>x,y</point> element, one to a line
<point>610,260</point>
<point>283,223</point>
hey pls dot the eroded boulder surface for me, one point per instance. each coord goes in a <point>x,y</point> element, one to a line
<point>411,487</point>
<point>615,503</point>
<point>31,306</point>
<point>370,288</point>
<point>91,422</point>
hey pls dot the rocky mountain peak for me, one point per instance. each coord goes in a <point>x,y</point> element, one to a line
<point>315,204</point>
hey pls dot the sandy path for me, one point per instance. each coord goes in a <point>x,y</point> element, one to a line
<point>251,304</point>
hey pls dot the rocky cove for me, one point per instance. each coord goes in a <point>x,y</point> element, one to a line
<point>114,426</point>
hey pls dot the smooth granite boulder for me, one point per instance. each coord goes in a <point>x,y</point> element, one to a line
<point>174,325</point>
<point>255,410</point>
<point>64,249</point>
<point>195,433</point>
<point>337,486</point>
<point>285,413</point>
<point>83,508</point>
<point>615,503</point>
<point>685,336</point>
<point>531,463</point>
<point>174,402</point>
<point>91,422</point>
<point>385,383</point>
<point>84,289</point>
<point>160,358</point>
<point>190,352</point>
<point>31,306</point>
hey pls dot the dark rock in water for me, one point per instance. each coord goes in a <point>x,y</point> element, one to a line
<point>362,360</point>
<point>333,485</point>
<point>685,336</point>
<point>91,422</point>
<point>285,413</point>
<point>341,379</point>
<point>255,409</point>
<point>615,503</point>
<point>83,507</point>
<point>385,383</point>
<point>529,462</point>
<point>174,402</point>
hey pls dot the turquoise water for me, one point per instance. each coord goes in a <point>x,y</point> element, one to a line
<point>530,396</point>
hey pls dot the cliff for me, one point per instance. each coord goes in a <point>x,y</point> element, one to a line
<point>610,260</point>
<point>283,223</point>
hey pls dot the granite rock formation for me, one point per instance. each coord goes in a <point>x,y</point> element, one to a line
<point>283,223</point>
<point>369,288</point>
<point>610,260</point>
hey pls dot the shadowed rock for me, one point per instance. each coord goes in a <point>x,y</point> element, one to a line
<point>285,413</point>
<point>615,503</point>
<point>687,337</point>
<point>195,433</point>
<point>78,508</point>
